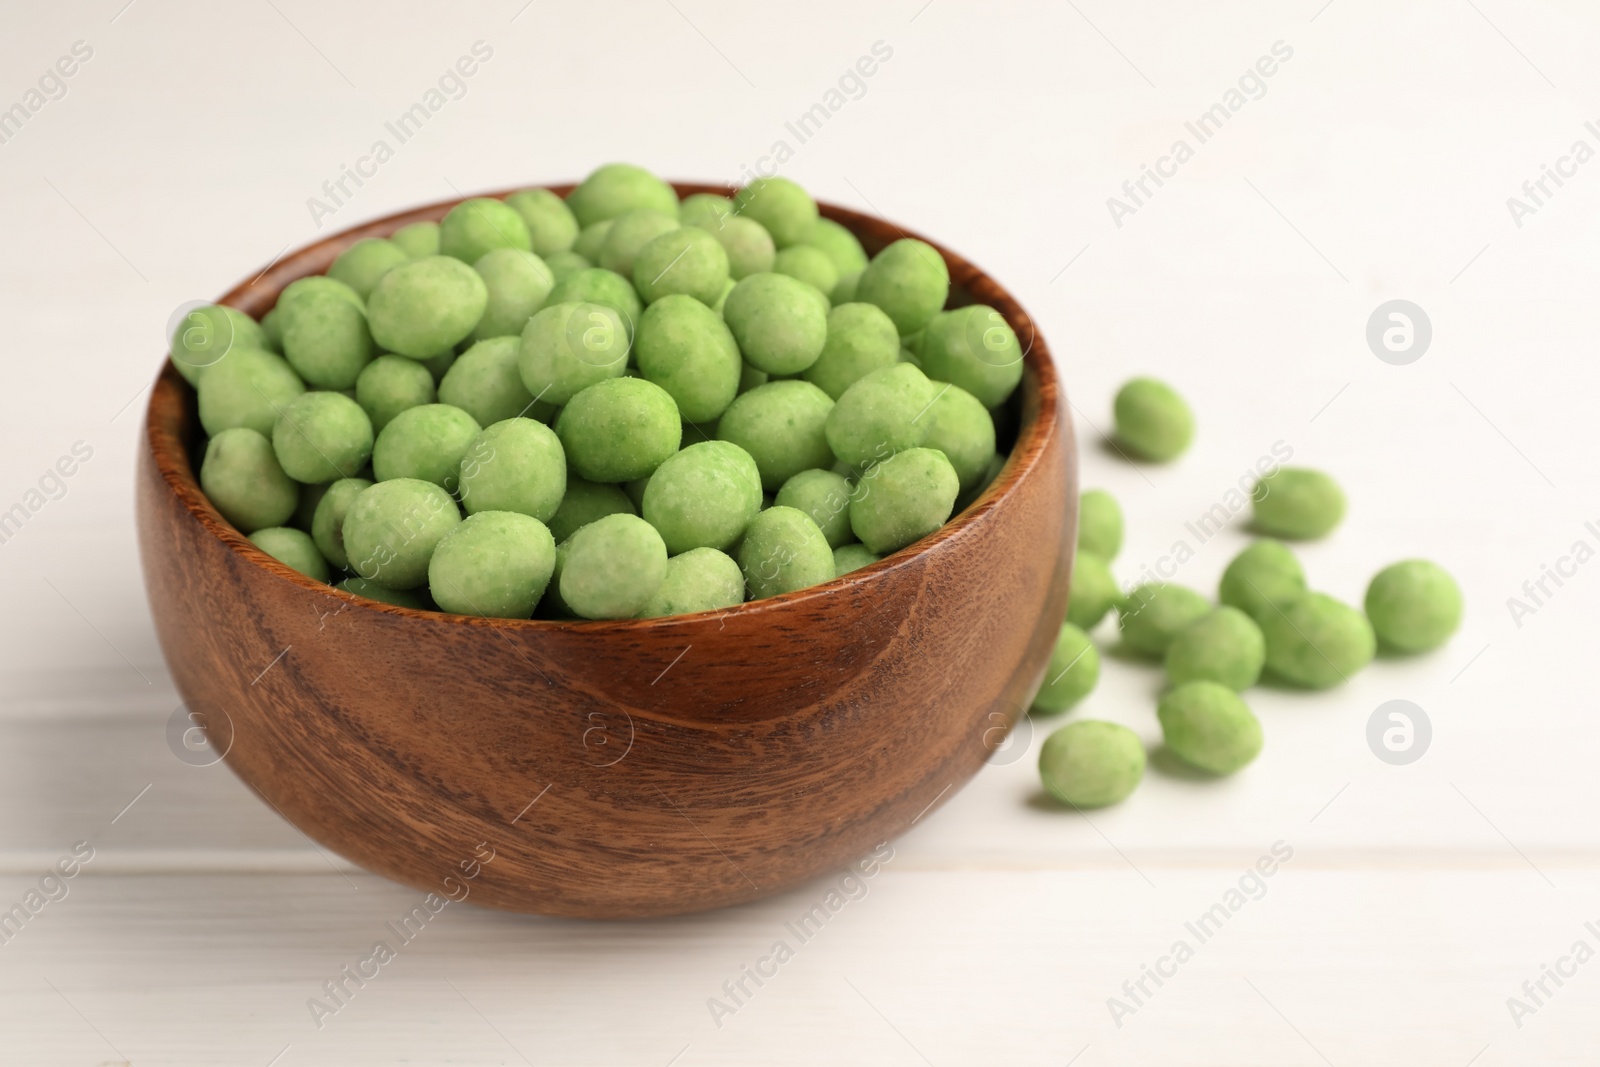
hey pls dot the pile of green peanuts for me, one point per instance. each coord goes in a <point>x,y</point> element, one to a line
<point>612,405</point>
<point>1266,621</point>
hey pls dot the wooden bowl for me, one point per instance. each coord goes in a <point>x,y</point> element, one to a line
<point>616,769</point>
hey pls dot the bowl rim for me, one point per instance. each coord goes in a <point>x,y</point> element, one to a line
<point>1041,418</point>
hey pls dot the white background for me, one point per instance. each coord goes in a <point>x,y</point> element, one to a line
<point>1376,166</point>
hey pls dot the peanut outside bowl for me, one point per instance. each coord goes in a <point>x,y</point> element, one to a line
<point>616,769</point>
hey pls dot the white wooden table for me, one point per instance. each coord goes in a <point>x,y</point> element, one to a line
<point>1376,164</point>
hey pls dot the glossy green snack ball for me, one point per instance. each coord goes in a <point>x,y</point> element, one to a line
<point>701,579</point>
<point>703,496</point>
<point>600,286</point>
<point>249,388</point>
<point>363,263</point>
<point>860,340</point>
<point>852,557</point>
<point>1316,641</point>
<point>391,384</point>
<point>786,210</point>
<point>783,551</point>
<point>392,528</point>
<point>687,261</point>
<point>322,436</point>
<point>1152,421</point>
<point>424,443</point>
<point>1152,615</point>
<point>881,414</point>
<point>400,598</point>
<point>628,234</point>
<point>325,337</point>
<point>417,240</point>
<point>292,548</point>
<point>810,265</point>
<point>495,564</point>
<point>780,323</point>
<point>617,188</point>
<point>1091,764</point>
<point>569,346</point>
<point>909,281</point>
<point>1207,726</point>
<point>962,428</point>
<point>551,225</point>
<point>514,465</point>
<point>748,245</point>
<point>1071,674</point>
<point>683,346</point>
<point>705,210</point>
<point>975,348</point>
<point>207,334</point>
<point>327,523</point>
<point>840,246</point>
<point>1099,524</point>
<point>583,503</point>
<point>241,477</point>
<point>565,264</point>
<point>480,225</point>
<point>1297,503</point>
<point>485,381</point>
<point>425,306</point>
<point>619,430</point>
<point>1224,646</point>
<point>612,567</point>
<point>1093,593</point>
<point>903,499</point>
<point>518,282</point>
<point>1414,605</point>
<point>825,496</point>
<point>1264,573</point>
<point>783,427</point>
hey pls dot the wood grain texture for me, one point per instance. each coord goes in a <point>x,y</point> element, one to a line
<point>671,765</point>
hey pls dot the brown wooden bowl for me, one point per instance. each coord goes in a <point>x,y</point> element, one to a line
<point>616,769</point>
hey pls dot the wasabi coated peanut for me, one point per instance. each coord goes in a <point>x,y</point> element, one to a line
<point>207,334</point>
<point>809,265</point>
<point>565,264</point>
<point>599,286</point>
<point>392,528</point>
<point>424,443</point>
<point>327,523</point>
<point>701,579</point>
<point>271,336</point>
<point>845,291</point>
<point>612,567</point>
<point>1071,674</point>
<point>583,503</point>
<point>1152,615</point>
<point>748,245</point>
<point>322,283</point>
<point>306,510</point>
<point>1207,726</point>
<point>975,348</point>
<point>425,306</point>
<point>825,496</point>
<point>242,479</point>
<point>909,281</point>
<point>705,210</point>
<point>783,551</point>
<point>1263,574</point>
<point>494,564</point>
<point>903,499</point>
<point>689,261</point>
<point>439,365</point>
<point>683,346</point>
<point>249,388</point>
<point>551,225</point>
<point>1153,422</point>
<point>1091,764</point>
<point>1224,646</point>
<point>1297,503</point>
<point>786,210</point>
<point>418,239</point>
<point>514,465</point>
<point>322,436</point>
<point>880,414</point>
<point>960,427</point>
<point>1414,605</point>
<point>325,336</point>
<point>783,427</point>
<point>400,598</point>
<point>617,188</point>
<point>781,324</point>
<point>1099,524</point>
<point>363,263</point>
<point>1316,641</point>
<point>391,384</point>
<point>485,381</point>
<point>480,225</point>
<point>292,548</point>
<point>860,339</point>
<point>750,377</point>
<point>840,246</point>
<point>518,284</point>
<point>590,238</point>
<point>1093,592</point>
<point>619,430</point>
<point>628,234</point>
<point>703,496</point>
<point>569,346</point>
<point>853,557</point>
